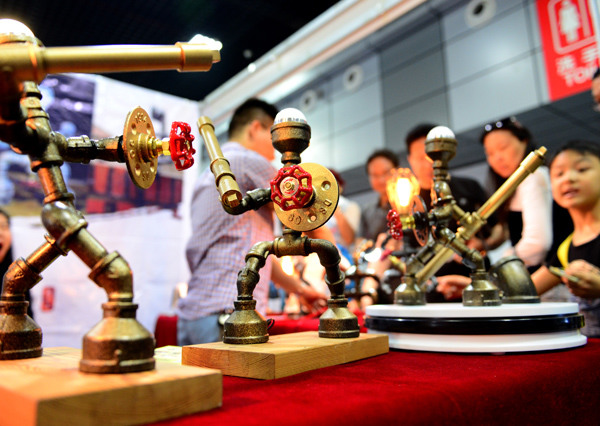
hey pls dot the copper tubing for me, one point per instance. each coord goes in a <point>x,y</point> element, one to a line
<point>29,62</point>
<point>227,186</point>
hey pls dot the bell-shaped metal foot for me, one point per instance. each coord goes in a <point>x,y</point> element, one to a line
<point>118,343</point>
<point>409,293</point>
<point>20,336</point>
<point>510,275</point>
<point>481,292</point>
<point>337,322</point>
<point>245,325</point>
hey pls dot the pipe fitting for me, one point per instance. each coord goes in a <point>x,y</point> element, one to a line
<point>329,257</point>
<point>113,274</point>
<point>63,222</point>
<point>249,276</point>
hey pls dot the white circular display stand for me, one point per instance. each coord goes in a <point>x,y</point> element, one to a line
<point>452,327</point>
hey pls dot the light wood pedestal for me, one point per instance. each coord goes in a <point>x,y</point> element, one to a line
<point>283,355</point>
<point>52,391</point>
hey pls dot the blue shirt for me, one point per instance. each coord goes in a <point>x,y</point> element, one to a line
<point>220,241</point>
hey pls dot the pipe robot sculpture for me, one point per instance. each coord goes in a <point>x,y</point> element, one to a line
<point>305,196</point>
<point>118,343</point>
<point>440,146</point>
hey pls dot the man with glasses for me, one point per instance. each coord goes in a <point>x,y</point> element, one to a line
<point>373,219</point>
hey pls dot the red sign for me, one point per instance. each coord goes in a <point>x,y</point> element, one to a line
<point>569,45</point>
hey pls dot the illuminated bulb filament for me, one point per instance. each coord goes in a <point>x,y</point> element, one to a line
<point>405,191</point>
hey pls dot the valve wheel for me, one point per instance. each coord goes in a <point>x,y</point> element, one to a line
<point>394,225</point>
<point>180,145</point>
<point>421,232</point>
<point>321,204</point>
<point>291,188</point>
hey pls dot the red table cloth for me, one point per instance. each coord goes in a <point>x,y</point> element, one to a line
<point>401,387</point>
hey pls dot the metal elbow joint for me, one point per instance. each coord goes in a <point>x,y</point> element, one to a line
<point>18,279</point>
<point>329,257</point>
<point>109,271</point>
<point>114,275</point>
<point>253,200</point>
<point>248,277</point>
<point>63,222</point>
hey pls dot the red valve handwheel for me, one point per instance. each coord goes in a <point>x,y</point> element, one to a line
<point>180,145</point>
<point>394,224</point>
<point>291,188</point>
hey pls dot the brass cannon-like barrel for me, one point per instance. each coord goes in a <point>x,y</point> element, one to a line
<point>30,62</point>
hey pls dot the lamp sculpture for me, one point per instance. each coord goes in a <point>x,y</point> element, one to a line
<point>439,243</point>
<point>305,196</point>
<point>118,343</point>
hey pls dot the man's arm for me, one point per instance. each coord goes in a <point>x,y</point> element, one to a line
<point>293,284</point>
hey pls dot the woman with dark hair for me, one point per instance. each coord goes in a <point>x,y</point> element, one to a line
<point>6,256</point>
<point>527,214</point>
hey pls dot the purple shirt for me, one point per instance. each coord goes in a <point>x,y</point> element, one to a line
<point>220,241</point>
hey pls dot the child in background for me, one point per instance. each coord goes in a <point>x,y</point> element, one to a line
<point>575,180</point>
<point>575,183</point>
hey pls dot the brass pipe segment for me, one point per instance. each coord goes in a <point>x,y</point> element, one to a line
<point>527,167</point>
<point>227,186</point>
<point>31,62</point>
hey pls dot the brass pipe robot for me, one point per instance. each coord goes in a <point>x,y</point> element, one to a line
<point>305,196</point>
<point>118,343</point>
<point>440,146</point>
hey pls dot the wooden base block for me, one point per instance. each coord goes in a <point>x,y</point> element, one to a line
<point>283,355</point>
<point>52,391</point>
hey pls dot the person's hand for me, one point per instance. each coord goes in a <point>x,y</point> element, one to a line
<point>587,283</point>
<point>477,244</point>
<point>312,299</point>
<point>452,286</point>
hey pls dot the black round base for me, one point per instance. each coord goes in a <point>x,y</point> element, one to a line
<point>476,326</point>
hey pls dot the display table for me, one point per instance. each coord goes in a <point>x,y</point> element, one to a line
<point>559,387</point>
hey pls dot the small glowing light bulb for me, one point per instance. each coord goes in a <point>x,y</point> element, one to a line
<point>10,26</point>
<point>290,114</point>
<point>440,132</point>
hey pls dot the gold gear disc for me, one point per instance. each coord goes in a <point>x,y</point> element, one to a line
<point>138,129</point>
<point>320,210</point>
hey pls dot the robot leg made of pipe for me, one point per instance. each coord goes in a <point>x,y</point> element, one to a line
<point>118,343</point>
